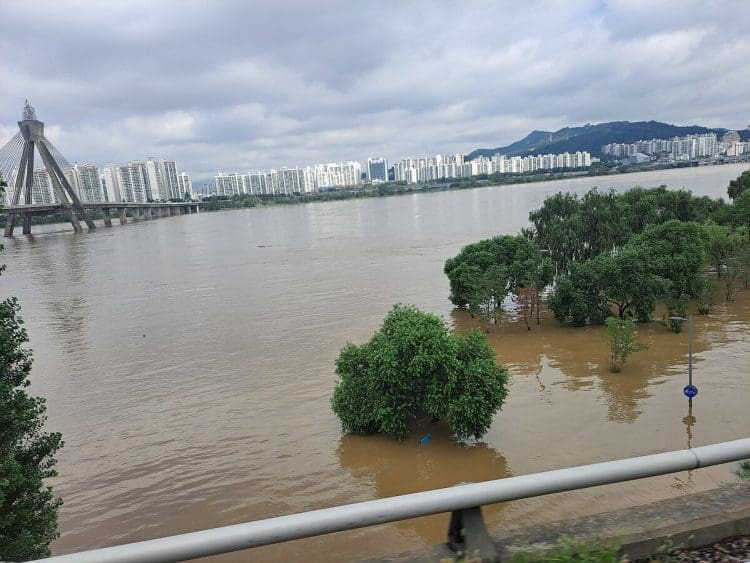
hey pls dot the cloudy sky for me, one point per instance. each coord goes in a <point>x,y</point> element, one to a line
<point>236,85</point>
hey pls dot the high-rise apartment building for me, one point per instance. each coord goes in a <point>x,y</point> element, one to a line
<point>111,183</point>
<point>41,187</point>
<point>132,182</point>
<point>186,186</point>
<point>169,178</point>
<point>153,173</point>
<point>87,182</point>
<point>377,169</point>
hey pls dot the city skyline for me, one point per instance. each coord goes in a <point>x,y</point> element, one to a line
<point>351,81</point>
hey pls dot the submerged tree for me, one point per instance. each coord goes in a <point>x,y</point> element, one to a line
<point>413,365</point>
<point>623,341</point>
<point>483,274</point>
<point>28,509</point>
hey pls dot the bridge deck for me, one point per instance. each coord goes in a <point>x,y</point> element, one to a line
<point>39,208</point>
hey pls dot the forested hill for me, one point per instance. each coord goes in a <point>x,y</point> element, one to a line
<point>592,137</point>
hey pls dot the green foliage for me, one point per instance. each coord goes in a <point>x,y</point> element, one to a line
<point>739,215</point>
<point>414,365</point>
<point>706,297</point>
<point>577,297</point>
<point>624,283</point>
<point>721,243</point>
<point>676,252</point>
<point>743,470</point>
<point>739,185</point>
<point>623,341</point>
<point>571,550</point>
<point>578,229</point>
<point>28,509</point>
<point>737,272</point>
<point>676,311</point>
<point>483,274</point>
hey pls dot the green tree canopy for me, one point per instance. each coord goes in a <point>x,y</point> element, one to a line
<point>413,365</point>
<point>28,509</point>
<point>623,341</point>
<point>484,273</point>
<point>578,229</point>
<point>676,252</point>
<point>739,185</point>
<point>721,244</point>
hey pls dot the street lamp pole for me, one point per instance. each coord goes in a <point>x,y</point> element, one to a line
<point>690,352</point>
<point>689,320</point>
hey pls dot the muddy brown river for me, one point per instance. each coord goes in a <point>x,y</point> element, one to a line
<point>188,362</point>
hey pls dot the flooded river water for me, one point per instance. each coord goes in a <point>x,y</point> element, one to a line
<point>188,362</point>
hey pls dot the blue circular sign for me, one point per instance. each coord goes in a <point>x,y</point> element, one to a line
<point>690,391</point>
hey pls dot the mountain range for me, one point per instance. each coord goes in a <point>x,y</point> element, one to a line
<point>591,138</point>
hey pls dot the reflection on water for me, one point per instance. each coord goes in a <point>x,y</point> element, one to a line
<point>394,468</point>
<point>188,363</point>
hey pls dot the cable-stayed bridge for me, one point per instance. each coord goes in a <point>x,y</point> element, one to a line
<point>30,145</point>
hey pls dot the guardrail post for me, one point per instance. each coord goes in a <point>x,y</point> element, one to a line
<point>468,537</point>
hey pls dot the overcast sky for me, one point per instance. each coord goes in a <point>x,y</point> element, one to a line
<point>238,86</point>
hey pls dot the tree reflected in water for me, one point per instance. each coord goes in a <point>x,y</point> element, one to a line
<point>394,468</point>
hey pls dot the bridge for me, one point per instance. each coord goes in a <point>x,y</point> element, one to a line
<point>138,211</point>
<point>17,165</point>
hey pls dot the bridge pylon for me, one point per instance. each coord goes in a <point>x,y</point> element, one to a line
<point>31,138</point>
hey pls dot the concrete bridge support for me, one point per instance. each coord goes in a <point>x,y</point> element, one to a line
<point>147,214</point>
<point>10,224</point>
<point>27,224</point>
<point>74,220</point>
<point>123,216</point>
<point>107,217</point>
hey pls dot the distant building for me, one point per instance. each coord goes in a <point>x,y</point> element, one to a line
<point>41,188</point>
<point>636,158</point>
<point>377,169</point>
<point>730,137</point>
<point>678,148</point>
<point>155,180</point>
<point>133,182</point>
<point>169,177</point>
<point>111,183</point>
<point>89,182</point>
<point>426,169</point>
<point>186,186</point>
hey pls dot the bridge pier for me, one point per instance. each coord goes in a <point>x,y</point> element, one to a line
<point>10,224</point>
<point>123,216</point>
<point>107,217</point>
<point>147,214</point>
<point>74,221</point>
<point>27,224</point>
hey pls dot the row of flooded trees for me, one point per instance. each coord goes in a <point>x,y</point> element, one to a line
<point>603,258</point>
<point>609,255</point>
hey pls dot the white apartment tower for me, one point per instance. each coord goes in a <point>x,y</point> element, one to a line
<point>111,183</point>
<point>169,177</point>
<point>153,173</point>
<point>186,186</point>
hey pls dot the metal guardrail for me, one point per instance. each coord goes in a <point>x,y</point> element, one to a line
<point>466,533</point>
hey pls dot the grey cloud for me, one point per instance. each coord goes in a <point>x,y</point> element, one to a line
<point>233,85</point>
